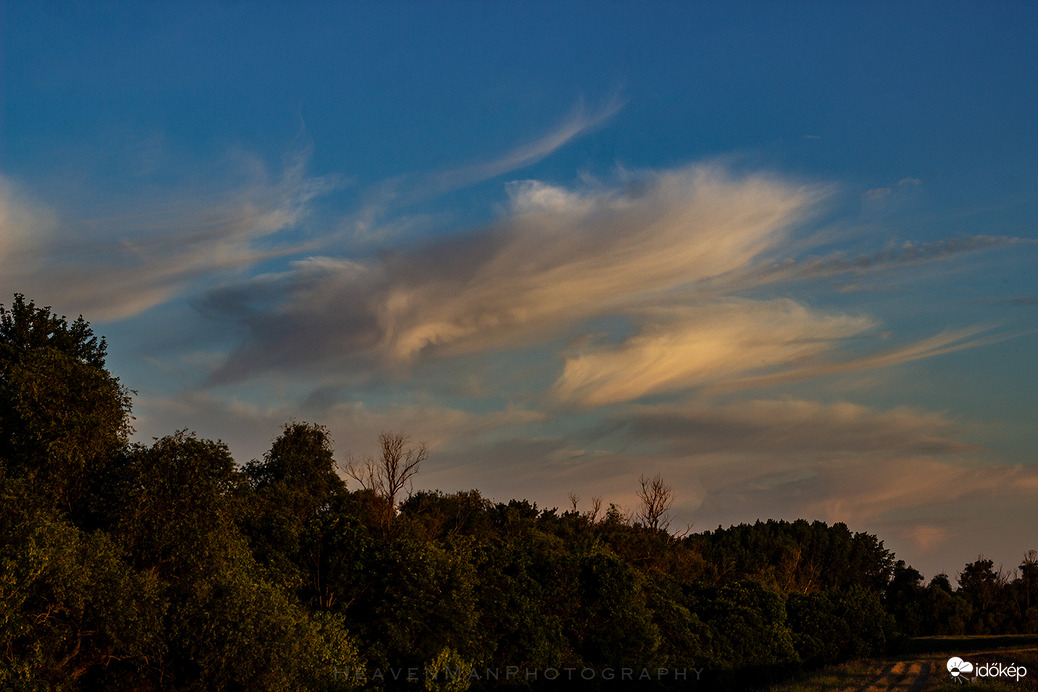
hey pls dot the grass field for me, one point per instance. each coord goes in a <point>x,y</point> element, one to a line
<point>922,667</point>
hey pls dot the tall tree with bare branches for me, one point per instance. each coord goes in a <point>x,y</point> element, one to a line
<point>657,498</point>
<point>392,473</point>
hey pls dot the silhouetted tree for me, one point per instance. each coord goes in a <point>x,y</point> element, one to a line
<point>392,472</point>
<point>1029,591</point>
<point>62,414</point>
<point>657,497</point>
<point>905,599</point>
<point>982,588</point>
<point>293,483</point>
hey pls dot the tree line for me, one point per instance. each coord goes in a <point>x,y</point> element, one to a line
<point>169,566</point>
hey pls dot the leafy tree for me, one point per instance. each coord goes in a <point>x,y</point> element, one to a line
<point>229,623</point>
<point>62,414</point>
<point>684,638</point>
<point>838,624</point>
<point>300,467</point>
<point>797,556</point>
<point>983,588</point>
<point>174,505</point>
<point>293,484</point>
<point>422,598</point>
<point>617,626</point>
<point>71,609</point>
<point>234,629</point>
<point>523,586</point>
<point>904,599</point>
<point>1028,587</point>
<point>748,624</point>
<point>945,611</point>
<point>336,552</point>
<point>439,516</point>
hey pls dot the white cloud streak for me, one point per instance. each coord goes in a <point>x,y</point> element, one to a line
<point>578,123</point>
<point>369,224</point>
<point>680,348</point>
<point>25,224</point>
<point>908,254</point>
<point>559,256</point>
<point>117,267</point>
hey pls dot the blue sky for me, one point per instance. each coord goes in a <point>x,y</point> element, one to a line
<point>781,253</point>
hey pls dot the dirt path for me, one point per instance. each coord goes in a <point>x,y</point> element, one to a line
<point>927,672</point>
<point>931,673</point>
<point>910,676</point>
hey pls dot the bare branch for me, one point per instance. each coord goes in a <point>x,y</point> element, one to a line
<point>657,498</point>
<point>596,507</point>
<point>400,463</point>
<point>392,473</point>
<point>364,473</point>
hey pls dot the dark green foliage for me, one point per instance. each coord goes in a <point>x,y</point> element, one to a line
<point>905,599</point>
<point>26,330</point>
<point>419,599</point>
<point>837,625</point>
<point>748,625</point>
<point>174,505</point>
<point>70,607</point>
<point>1027,592</point>
<point>300,467</point>
<point>982,587</point>
<point>437,516</point>
<point>292,487</point>
<point>522,589</point>
<point>236,630</point>
<point>335,549</point>
<point>945,612</point>
<point>62,415</point>
<point>617,624</point>
<point>797,556</point>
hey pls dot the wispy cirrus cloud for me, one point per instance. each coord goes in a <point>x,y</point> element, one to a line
<point>387,199</point>
<point>579,122</point>
<point>877,194</point>
<point>679,348</point>
<point>667,251</point>
<point>946,342</point>
<point>25,224</point>
<point>114,267</point>
<point>557,257</point>
<point>908,254</point>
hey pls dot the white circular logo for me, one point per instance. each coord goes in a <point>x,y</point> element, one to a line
<point>957,667</point>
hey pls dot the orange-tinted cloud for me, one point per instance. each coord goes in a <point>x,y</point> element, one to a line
<point>559,256</point>
<point>684,347</point>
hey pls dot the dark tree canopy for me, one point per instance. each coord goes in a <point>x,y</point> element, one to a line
<point>62,415</point>
<point>299,463</point>
<point>26,329</point>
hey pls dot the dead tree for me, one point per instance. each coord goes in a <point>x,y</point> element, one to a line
<point>391,474</point>
<point>657,498</point>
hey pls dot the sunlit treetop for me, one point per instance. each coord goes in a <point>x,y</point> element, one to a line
<point>25,327</point>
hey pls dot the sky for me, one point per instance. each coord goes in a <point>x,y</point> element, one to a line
<point>780,253</point>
